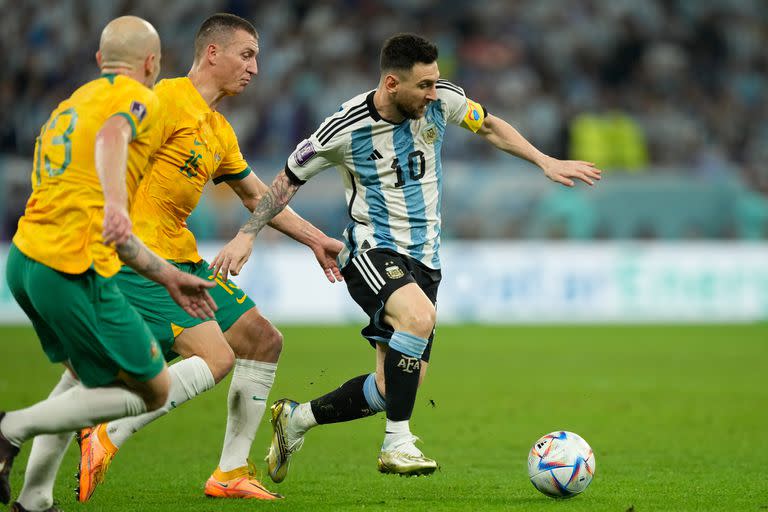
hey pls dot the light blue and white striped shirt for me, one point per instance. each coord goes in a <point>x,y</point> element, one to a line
<point>392,173</point>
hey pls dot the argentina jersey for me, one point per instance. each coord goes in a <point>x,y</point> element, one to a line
<point>392,173</point>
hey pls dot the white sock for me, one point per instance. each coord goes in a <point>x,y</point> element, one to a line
<point>189,378</point>
<point>45,459</point>
<point>73,409</point>
<point>302,419</point>
<point>247,400</point>
<point>396,433</point>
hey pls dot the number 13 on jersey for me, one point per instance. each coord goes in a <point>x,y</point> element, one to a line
<point>54,145</point>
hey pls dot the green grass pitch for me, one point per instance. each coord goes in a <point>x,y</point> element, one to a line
<point>677,417</point>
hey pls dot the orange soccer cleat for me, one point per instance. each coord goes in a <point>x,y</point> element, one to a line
<point>96,453</point>
<point>238,483</point>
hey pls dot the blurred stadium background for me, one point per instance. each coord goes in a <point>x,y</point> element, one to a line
<point>669,97</point>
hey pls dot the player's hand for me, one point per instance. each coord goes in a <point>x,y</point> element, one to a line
<point>191,293</point>
<point>233,256</point>
<point>326,252</point>
<point>565,171</point>
<point>117,227</point>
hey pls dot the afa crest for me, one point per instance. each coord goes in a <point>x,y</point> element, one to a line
<point>393,271</point>
<point>429,133</point>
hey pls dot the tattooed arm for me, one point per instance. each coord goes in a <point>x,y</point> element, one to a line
<point>189,292</point>
<point>233,256</point>
<point>251,189</point>
<point>137,256</point>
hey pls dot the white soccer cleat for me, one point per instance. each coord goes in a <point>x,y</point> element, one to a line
<point>285,440</point>
<point>405,459</point>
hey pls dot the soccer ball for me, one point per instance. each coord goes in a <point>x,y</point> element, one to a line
<point>561,464</point>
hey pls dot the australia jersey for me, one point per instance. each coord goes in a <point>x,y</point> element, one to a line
<point>392,173</point>
<point>63,220</point>
<point>197,144</point>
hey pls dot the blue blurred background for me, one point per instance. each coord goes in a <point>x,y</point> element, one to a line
<point>670,97</point>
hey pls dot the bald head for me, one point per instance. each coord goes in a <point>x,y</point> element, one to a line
<point>130,44</point>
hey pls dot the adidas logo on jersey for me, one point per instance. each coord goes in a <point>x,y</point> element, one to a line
<point>375,155</point>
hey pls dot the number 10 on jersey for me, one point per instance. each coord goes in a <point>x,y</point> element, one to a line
<point>416,168</point>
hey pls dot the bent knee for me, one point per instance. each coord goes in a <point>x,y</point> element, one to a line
<point>265,343</point>
<point>155,404</point>
<point>273,342</point>
<point>420,322</point>
<point>220,362</point>
<point>155,398</point>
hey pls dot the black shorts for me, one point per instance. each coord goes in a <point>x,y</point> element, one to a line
<point>373,276</point>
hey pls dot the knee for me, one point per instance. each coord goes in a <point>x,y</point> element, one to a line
<point>155,401</point>
<point>221,362</point>
<point>156,395</point>
<point>273,342</point>
<point>420,322</point>
<point>265,342</point>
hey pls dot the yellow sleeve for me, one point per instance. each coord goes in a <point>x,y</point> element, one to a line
<point>474,117</point>
<point>233,165</point>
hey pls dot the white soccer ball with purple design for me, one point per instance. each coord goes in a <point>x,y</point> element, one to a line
<point>561,464</point>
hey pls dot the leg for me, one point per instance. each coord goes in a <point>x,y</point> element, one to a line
<point>69,411</point>
<point>412,315</point>
<point>257,346</point>
<point>371,286</point>
<point>208,359</point>
<point>45,459</point>
<point>101,336</point>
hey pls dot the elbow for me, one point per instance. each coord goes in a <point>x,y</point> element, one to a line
<point>250,202</point>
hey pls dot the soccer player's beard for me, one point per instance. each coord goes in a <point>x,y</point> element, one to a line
<point>408,113</point>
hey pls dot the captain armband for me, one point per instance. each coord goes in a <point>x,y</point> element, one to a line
<point>475,116</point>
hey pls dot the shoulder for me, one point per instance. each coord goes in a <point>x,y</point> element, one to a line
<point>129,88</point>
<point>449,91</point>
<point>170,85</point>
<point>349,117</point>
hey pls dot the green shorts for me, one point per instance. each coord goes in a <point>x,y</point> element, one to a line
<point>165,318</point>
<point>83,319</point>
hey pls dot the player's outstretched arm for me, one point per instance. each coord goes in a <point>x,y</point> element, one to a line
<point>251,189</point>
<point>233,256</point>
<point>505,137</point>
<point>190,292</point>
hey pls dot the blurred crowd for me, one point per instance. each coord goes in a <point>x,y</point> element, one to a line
<point>688,79</point>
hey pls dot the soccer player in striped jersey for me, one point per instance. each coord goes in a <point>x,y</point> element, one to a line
<point>89,159</point>
<point>386,144</point>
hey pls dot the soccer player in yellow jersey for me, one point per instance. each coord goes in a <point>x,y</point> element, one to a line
<point>198,145</point>
<point>88,161</point>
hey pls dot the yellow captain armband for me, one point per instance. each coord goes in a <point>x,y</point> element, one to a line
<point>474,117</point>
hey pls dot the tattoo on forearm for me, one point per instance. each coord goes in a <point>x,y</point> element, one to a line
<point>272,202</point>
<point>136,255</point>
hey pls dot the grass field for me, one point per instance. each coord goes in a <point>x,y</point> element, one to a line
<point>676,416</point>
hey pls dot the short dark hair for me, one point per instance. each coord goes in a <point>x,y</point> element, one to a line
<point>402,51</point>
<point>217,25</point>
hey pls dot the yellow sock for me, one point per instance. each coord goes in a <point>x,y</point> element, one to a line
<point>223,476</point>
<point>106,442</point>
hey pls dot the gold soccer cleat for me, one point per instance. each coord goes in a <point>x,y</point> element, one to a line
<point>405,460</point>
<point>283,443</point>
